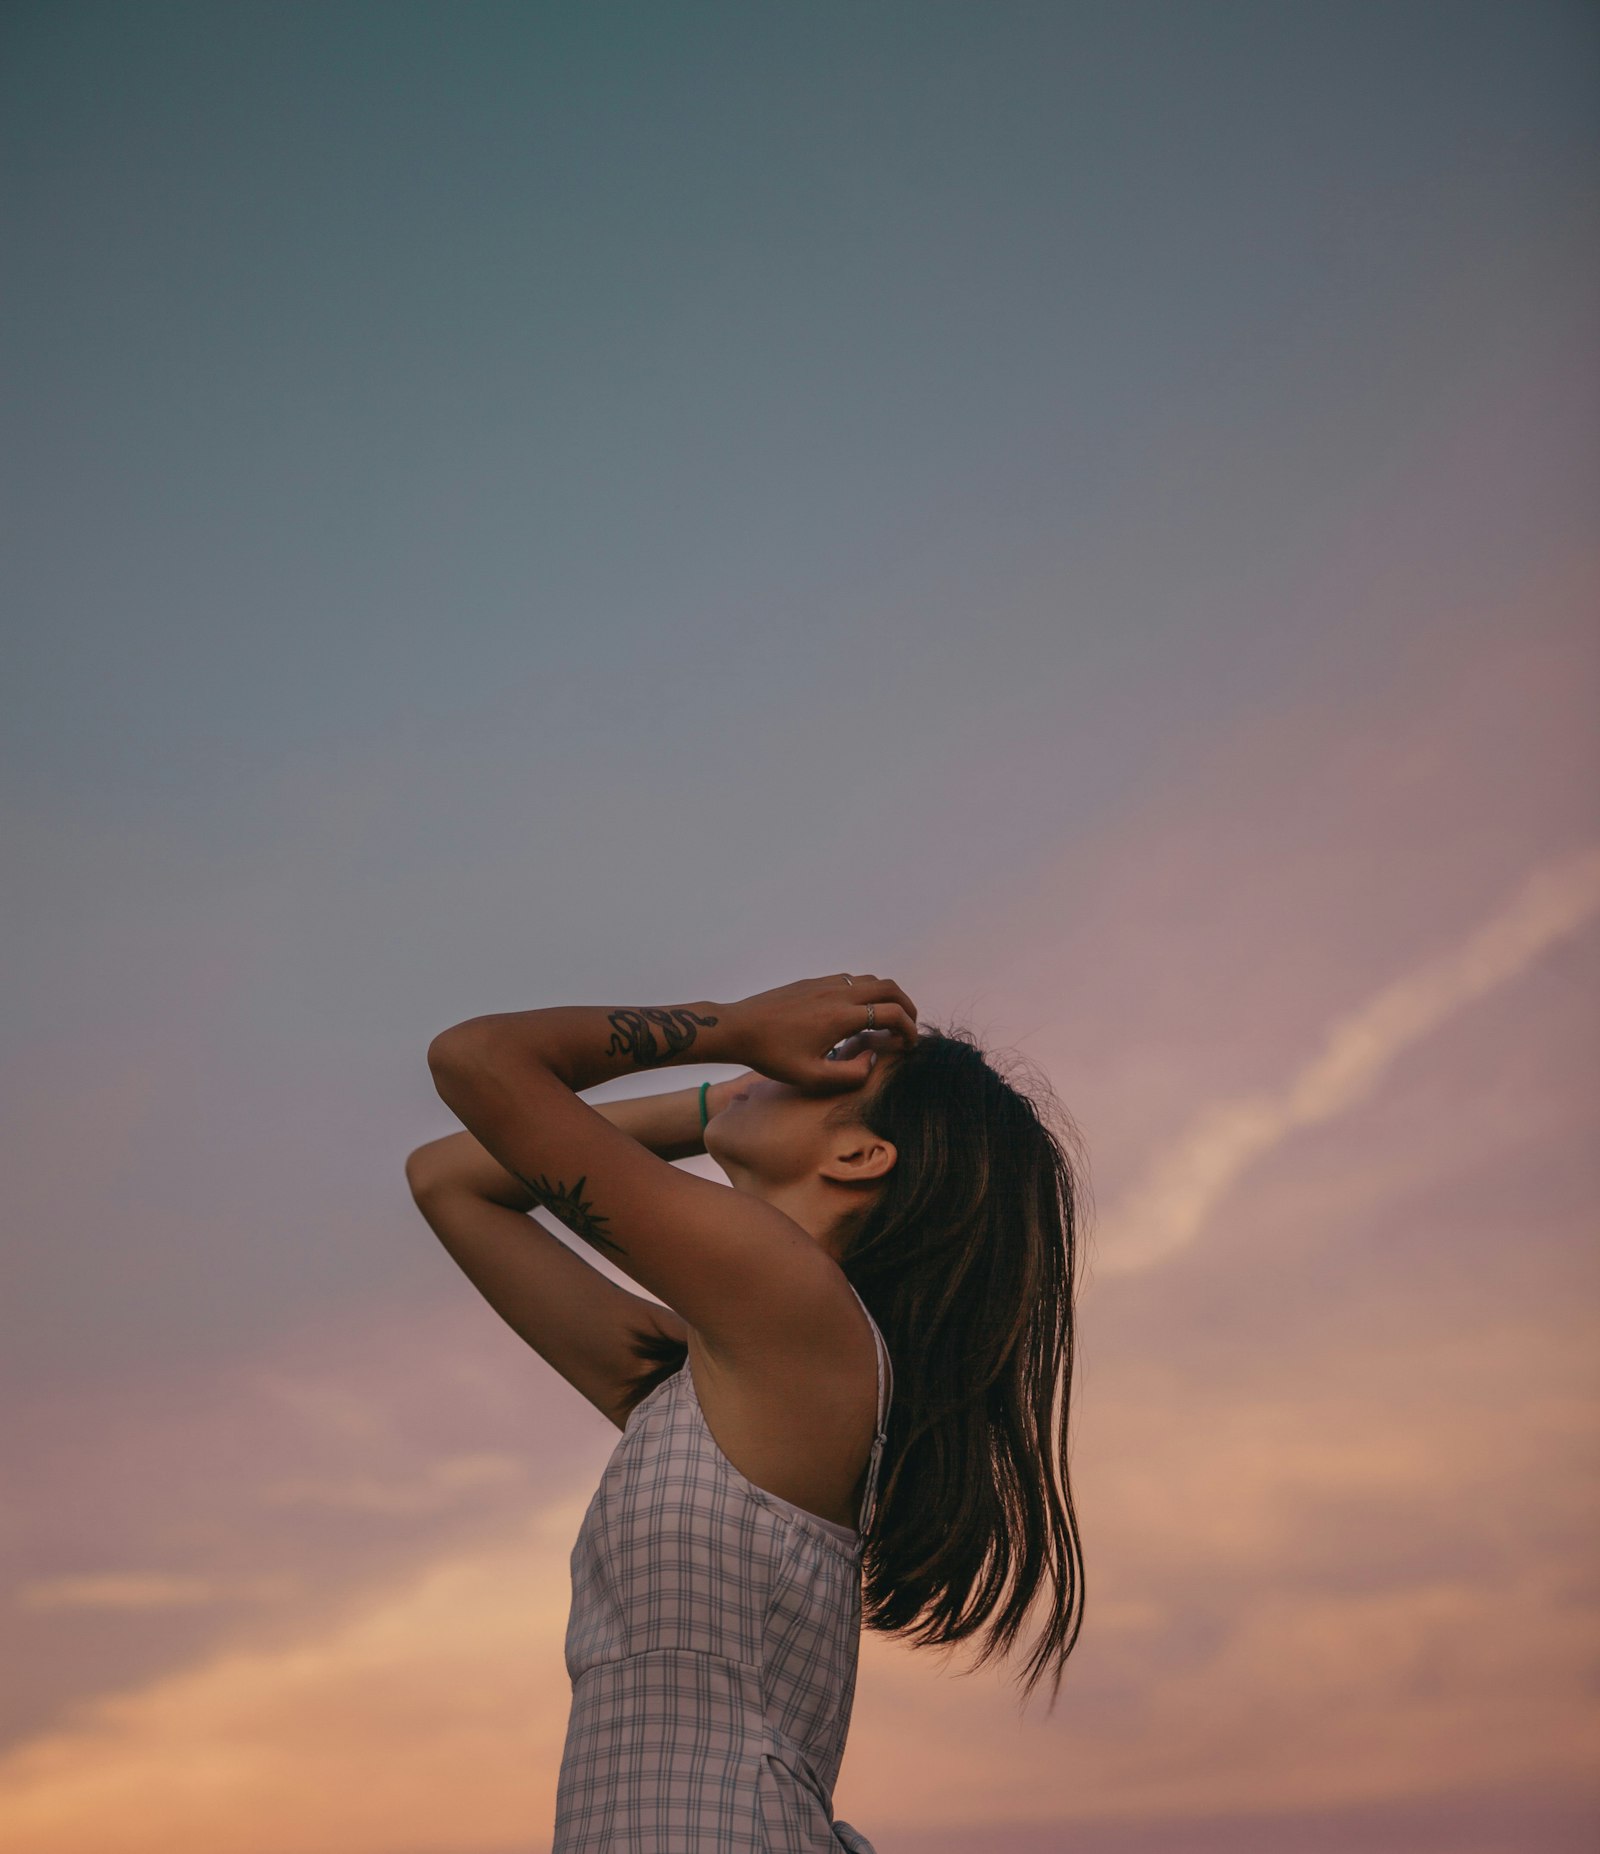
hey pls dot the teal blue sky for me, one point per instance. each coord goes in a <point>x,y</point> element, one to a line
<point>746,476</point>
<point>809,389</point>
<point>1086,510</point>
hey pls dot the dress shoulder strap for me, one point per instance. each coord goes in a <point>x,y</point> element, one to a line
<point>869,1496</point>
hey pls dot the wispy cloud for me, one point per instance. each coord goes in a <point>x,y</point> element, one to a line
<point>143,1590</point>
<point>442,1484</point>
<point>1168,1207</point>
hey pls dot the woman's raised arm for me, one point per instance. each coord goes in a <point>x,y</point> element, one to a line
<point>736,1268</point>
<point>666,1123</point>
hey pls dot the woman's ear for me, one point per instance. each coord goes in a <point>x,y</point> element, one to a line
<point>857,1155</point>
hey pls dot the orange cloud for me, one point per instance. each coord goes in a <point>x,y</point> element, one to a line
<point>136,1590</point>
<point>431,1714</point>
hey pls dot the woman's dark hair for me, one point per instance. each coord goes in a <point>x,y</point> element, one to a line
<point>968,1259</point>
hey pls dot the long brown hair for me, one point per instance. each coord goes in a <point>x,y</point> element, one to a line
<point>968,1259</point>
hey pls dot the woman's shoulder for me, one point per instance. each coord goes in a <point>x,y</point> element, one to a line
<point>797,1420</point>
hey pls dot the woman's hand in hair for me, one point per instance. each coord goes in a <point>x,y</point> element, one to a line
<point>787,1032</point>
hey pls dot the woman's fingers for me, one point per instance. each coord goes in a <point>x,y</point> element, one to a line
<point>844,1072</point>
<point>868,989</point>
<point>855,1043</point>
<point>888,1015</point>
<point>844,1067</point>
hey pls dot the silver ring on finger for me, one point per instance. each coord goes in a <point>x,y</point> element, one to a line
<point>872,1011</point>
<point>847,978</point>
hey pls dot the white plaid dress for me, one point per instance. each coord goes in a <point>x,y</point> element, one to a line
<point>712,1648</point>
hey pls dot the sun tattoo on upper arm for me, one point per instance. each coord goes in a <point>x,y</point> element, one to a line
<point>632,1036</point>
<point>567,1204</point>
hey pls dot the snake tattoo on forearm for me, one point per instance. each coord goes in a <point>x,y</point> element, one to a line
<point>632,1036</point>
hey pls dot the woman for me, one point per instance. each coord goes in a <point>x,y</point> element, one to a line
<point>884,1295</point>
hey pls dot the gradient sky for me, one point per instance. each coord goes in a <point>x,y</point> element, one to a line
<point>1086,510</point>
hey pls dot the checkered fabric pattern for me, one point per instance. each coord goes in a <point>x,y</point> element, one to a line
<point>712,1648</point>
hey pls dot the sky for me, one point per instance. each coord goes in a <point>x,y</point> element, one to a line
<point>1084,510</point>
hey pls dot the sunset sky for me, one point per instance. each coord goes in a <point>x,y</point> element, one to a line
<point>1088,511</point>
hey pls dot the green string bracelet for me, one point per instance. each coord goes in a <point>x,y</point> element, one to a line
<point>703,1116</point>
